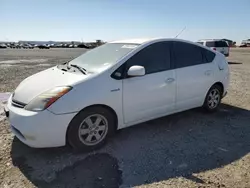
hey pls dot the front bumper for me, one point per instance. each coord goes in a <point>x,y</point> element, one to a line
<point>38,129</point>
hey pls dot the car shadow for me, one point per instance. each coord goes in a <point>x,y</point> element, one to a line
<point>234,63</point>
<point>174,146</point>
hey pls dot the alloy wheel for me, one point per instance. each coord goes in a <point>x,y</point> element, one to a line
<point>93,129</point>
<point>213,98</point>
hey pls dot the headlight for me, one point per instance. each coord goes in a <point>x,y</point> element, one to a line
<point>47,98</point>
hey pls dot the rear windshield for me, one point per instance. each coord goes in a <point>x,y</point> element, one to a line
<point>221,44</point>
<point>216,44</point>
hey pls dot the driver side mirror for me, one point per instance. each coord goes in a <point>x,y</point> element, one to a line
<point>136,70</point>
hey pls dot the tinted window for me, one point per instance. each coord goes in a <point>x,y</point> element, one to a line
<point>208,56</point>
<point>118,74</point>
<point>187,54</point>
<point>210,44</point>
<point>155,58</point>
<point>221,44</point>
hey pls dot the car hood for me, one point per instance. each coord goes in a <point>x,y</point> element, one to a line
<point>43,81</point>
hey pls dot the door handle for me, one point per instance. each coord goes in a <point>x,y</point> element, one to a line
<point>208,72</point>
<point>170,80</point>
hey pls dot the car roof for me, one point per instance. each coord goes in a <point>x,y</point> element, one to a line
<point>134,41</point>
<point>146,40</point>
<point>210,40</point>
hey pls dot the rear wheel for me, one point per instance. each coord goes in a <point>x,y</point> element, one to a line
<point>91,128</point>
<point>213,98</point>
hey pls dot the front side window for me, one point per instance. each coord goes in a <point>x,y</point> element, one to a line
<point>103,57</point>
<point>186,54</point>
<point>154,58</point>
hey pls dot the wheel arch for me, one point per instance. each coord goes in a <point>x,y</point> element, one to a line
<point>220,84</point>
<point>92,106</point>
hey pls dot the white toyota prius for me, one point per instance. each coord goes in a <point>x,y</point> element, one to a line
<point>119,84</point>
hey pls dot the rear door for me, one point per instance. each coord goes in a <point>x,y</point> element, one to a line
<point>194,75</point>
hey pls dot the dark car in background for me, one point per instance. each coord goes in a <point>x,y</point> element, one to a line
<point>3,46</point>
<point>43,46</point>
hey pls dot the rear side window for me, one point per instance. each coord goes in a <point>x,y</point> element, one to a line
<point>210,44</point>
<point>186,54</point>
<point>155,58</point>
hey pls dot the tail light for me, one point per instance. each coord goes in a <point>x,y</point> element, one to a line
<point>214,49</point>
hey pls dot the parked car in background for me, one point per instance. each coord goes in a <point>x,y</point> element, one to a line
<point>7,45</point>
<point>218,45</point>
<point>27,46</point>
<point>243,45</point>
<point>119,84</point>
<point>12,45</point>
<point>82,45</point>
<point>3,46</point>
<point>18,46</point>
<point>43,46</point>
<point>59,45</point>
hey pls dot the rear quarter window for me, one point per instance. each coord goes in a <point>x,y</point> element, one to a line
<point>208,56</point>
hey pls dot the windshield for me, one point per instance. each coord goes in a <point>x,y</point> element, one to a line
<point>103,57</point>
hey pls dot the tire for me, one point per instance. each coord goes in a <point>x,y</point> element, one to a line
<point>214,94</point>
<point>83,129</point>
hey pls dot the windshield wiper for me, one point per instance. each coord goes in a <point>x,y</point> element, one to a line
<point>67,63</point>
<point>81,69</point>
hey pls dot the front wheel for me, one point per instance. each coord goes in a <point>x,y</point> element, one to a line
<point>91,128</point>
<point>213,98</point>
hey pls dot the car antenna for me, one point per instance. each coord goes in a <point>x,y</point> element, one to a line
<point>180,32</point>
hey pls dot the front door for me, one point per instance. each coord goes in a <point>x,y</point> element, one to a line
<point>153,94</point>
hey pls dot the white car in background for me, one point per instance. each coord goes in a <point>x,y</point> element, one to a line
<point>119,84</point>
<point>217,45</point>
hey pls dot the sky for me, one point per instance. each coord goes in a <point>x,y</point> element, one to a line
<point>88,20</point>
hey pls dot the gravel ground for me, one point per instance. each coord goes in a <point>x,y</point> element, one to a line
<point>188,149</point>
